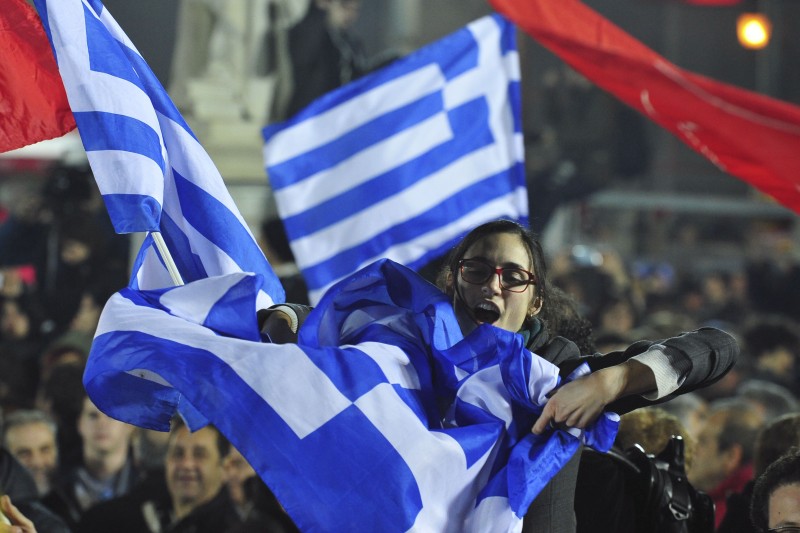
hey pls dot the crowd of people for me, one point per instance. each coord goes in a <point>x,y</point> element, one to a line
<point>72,468</point>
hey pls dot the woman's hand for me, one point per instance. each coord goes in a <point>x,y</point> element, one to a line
<point>19,522</point>
<point>578,403</point>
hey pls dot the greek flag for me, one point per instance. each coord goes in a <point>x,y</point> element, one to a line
<point>150,168</point>
<point>382,417</point>
<point>403,162</point>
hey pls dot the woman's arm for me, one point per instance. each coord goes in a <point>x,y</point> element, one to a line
<point>618,383</point>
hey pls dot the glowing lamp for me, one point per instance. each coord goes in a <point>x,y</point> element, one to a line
<point>753,30</point>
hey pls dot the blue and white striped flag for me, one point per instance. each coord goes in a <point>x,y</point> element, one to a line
<point>150,168</point>
<point>403,162</point>
<point>346,426</point>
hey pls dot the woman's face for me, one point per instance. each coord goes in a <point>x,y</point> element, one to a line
<point>488,303</point>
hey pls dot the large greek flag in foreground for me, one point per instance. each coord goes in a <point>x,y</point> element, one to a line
<point>403,162</point>
<point>151,170</point>
<point>381,418</point>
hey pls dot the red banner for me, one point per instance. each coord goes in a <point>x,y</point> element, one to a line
<point>33,104</point>
<point>747,135</point>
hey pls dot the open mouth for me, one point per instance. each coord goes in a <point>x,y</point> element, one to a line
<point>486,313</point>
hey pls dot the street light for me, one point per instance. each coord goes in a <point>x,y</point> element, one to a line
<point>753,30</point>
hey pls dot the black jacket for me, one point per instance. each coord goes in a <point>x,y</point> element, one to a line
<point>701,357</point>
<point>20,487</point>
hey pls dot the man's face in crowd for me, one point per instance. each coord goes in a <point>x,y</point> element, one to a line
<point>709,466</point>
<point>194,466</point>
<point>102,434</point>
<point>34,445</point>
<point>784,506</point>
<point>237,471</point>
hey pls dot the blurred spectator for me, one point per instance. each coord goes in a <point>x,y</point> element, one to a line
<point>325,53</point>
<point>775,440</point>
<point>16,483</point>
<point>61,396</point>
<point>106,469</point>
<point>776,496</point>
<point>588,139</point>
<point>771,267</point>
<point>61,352</point>
<point>21,342</point>
<point>617,314</point>
<point>188,498</point>
<point>84,270</point>
<point>267,514</point>
<point>150,449</point>
<point>772,400</point>
<point>30,436</point>
<point>724,458</point>
<point>652,428</point>
<point>237,472</point>
<point>623,491</point>
<point>691,410</point>
<point>773,344</point>
<point>718,302</point>
<point>562,317</point>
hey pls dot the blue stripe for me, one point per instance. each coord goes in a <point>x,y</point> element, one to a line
<point>217,224</point>
<point>105,52</point>
<point>508,34</point>
<point>107,131</point>
<point>232,314</point>
<point>133,212</point>
<point>515,101</point>
<point>454,207</point>
<point>96,5</point>
<point>189,264</point>
<point>158,95</point>
<point>41,8</point>
<point>331,154</point>
<point>108,55</point>
<point>455,54</point>
<point>469,120</point>
<point>139,261</point>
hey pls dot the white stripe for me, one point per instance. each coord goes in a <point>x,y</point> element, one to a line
<point>304,397</point>
<point>373,161</point>
<point>437,462</point>
<point>89,90</point>
<point>194,302</point>
<point>152,274</point>
<point>114,169</point>
<point>328,126</point>
<point>394,363</point>
<point>191,161</point>
<point>409,251</point>
<point>410,202</point>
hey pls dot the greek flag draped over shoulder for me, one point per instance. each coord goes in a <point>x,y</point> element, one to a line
<point>382,417</point>
<point>152,172</point>
<point>404,161</point>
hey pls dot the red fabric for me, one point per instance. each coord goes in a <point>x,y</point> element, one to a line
<point>748,135</point>
<point>733,483</point>
<point>33,103</point>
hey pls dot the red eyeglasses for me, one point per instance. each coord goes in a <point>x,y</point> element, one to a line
<point>513,279</point>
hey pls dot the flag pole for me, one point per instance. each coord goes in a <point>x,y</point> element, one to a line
<point>172,268</point>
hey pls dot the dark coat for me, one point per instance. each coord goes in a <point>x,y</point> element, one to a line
<point>702,357</point>
<point>18,484</point>
<point>148,509</point>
